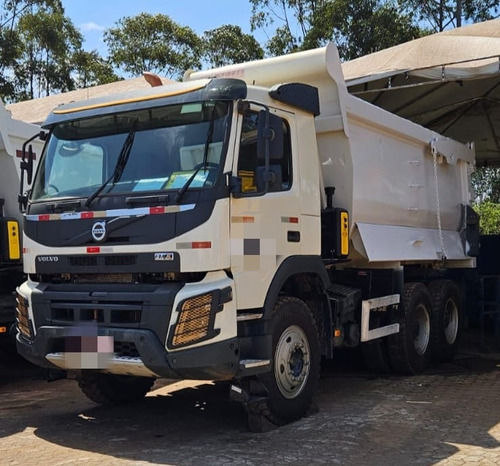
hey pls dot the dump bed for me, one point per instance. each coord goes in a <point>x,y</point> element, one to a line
<point>406,187</point>
<point>13,134</point>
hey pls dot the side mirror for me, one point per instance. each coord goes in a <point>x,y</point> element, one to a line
<point>27,164</point>
<point>269,136</point>
<point>27,167</point>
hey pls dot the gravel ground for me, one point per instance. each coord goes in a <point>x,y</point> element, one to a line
<point>449,416</point>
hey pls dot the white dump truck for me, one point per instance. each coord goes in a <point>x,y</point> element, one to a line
<point>13,134</point>
<point>241,225</point>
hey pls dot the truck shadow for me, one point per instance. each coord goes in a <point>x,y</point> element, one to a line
<point>360,419</point>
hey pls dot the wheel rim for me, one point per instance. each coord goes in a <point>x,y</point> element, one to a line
<point>421,329</point>
<point>292,362</point>
<point>450,320</point>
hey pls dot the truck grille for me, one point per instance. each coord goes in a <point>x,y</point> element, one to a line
<point>22,317</point>
<point>120,260</point>
<point>82,261</point>
<point>84,278</point>
<point>110,261</point>
<point>106,312</point>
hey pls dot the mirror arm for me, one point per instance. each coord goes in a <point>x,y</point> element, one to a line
<point>27,166</point>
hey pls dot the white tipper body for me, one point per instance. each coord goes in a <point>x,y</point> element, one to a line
<point>403,185</point>
<point>13,133</point>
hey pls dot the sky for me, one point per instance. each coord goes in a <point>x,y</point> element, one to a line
<point>92,17</point>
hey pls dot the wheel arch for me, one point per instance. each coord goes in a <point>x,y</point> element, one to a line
<point>304,278</point>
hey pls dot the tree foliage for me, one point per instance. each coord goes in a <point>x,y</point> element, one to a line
<point>445,14</point>
<point>11,45</point>
<point>227,45</point>
<point>91,69</point>
<point>41,52</point>
<point>49,41</point>
<point>291,19</point>
<point>486,184</point>
<point>153,43</point>
<point>358,26</point>
<point>489,217</point>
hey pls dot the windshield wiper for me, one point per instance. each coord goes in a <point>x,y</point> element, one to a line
<point>63,206</point>
<point>119,167</point>
<point>208,141</point>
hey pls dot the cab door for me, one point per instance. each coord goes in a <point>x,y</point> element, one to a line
<point>265,227</point>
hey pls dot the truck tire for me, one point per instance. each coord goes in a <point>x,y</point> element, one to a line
<point>410,349</point>
<point>112,389</point>
<point>446,319</point>
<point>294,376</point>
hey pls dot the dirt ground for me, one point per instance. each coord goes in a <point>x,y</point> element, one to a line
<point>449,416</point>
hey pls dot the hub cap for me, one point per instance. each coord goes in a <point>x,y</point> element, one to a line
<point>450,320</point>
<point>292,361</point>
<point>421,329</point>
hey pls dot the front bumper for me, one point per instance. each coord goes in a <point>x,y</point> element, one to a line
<point>217,361</point>
<point>174,330</point>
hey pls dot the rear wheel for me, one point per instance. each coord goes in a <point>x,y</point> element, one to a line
<point>112,389</point>
<point>294,376</point>
<point>446,319</point>
<point>410,349</point>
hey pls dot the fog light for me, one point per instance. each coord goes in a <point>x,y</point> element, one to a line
<point>22,317</point>
<point>194,320</point>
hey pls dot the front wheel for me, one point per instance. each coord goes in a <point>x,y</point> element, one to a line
<point>294,376</point>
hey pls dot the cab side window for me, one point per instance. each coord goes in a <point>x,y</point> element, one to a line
<point>249,163</point>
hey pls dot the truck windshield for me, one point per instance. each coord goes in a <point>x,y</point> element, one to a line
<point>168,146</point>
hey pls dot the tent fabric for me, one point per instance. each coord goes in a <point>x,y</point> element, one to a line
<point>36,110</point>
<point>448,82</point>
<point>453,47</point>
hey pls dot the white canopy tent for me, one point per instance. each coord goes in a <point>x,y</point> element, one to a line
<point>448,82</point>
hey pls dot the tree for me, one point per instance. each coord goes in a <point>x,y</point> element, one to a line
<point>489,217</point>
<point>153,43</point>
<point>486,184</point>
<point>9,51</point>
<point>49,41</point>
<point>10,42</point>
<point>294,19</point>
<point>228,44</point>
<point>92,70</point>
<point>445,14</point>
<point>41,52</point>
<point>358,27</point>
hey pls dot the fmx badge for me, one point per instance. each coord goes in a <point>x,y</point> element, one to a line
<point>99,231</point>
<point>164,256</point>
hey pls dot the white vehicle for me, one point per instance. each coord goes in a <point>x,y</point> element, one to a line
<point>13,134</point>
<point>239,226</point>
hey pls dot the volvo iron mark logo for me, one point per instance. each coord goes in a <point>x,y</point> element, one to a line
<point>99,231</point>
